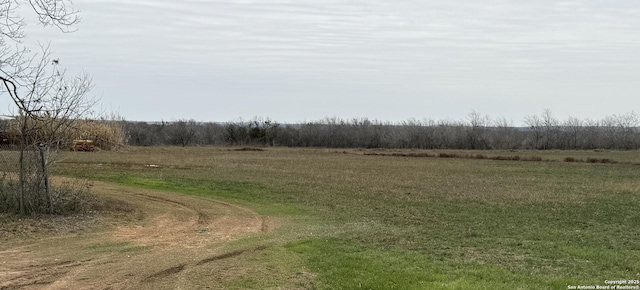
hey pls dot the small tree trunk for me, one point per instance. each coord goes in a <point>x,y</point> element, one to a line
<point>21,180</point>
<point>45,176</point>
<point>21,168</point>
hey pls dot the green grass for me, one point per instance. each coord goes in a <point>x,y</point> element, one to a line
<point>349,266</point>
<point>383,222</point>
<point>243,192</point>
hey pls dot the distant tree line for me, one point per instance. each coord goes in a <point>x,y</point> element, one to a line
<point>477,131</point>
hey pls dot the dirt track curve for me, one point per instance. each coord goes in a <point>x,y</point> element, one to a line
<point>174,242</point>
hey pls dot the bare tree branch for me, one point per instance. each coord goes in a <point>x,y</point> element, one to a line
<point>59,13</point>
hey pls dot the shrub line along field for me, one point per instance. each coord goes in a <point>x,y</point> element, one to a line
<point>490,157</point>
<point>359,220</point>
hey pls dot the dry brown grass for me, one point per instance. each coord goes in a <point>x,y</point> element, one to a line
<point>458,155</point>
<point>481,156</point>
<point>248,149</point>
<point>106,134</point>
<point>488,179</point>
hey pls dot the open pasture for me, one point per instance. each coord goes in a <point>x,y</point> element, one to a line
<point>350,220</point>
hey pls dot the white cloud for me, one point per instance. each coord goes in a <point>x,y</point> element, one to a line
<point>382,59</point>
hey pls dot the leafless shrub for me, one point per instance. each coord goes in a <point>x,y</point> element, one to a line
<point>421,154</point>
<point>73,197</point>
<point>67,197</point>
<point>508,158</point>
<point>542,131</point>
<point>600,160</point>
<point>532,158</point>
<point>248,149</point>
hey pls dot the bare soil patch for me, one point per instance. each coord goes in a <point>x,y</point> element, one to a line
<point>166,238</point>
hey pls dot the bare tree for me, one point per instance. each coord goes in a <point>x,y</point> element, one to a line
<point>182,132</point>
<point>593,134</point>
<point>505,135</point>
<point>477,131</point>
<point>47,101</point>
<point>49,106</point>
<point>573,130</point>
<point>619,131</point>
<point>536,128</point>
<point>15,59</point>
<point>551,131</point>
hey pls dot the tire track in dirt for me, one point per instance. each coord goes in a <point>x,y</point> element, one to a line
<point>43,274</point>
<point>177,269</point>
<point>202,217</point>
<point>174,235</point>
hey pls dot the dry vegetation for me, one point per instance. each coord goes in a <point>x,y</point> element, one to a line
<point>106,134</point>
<point>30,154</point>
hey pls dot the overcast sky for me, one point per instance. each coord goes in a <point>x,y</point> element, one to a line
<point>390,60</point>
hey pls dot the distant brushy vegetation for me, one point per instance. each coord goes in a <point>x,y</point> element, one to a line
<point>543,132</point>
<point>28,155</point>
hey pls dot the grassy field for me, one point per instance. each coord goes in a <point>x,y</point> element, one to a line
<point>351,220</point>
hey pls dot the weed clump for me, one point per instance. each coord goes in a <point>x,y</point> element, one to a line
<point>590,160</point>
<point>66,197</point>
<point>249,149</point>
<point>600,160</point>
<point>459,155</point>
<point>424,154</point>
<point>533,158</point>
<point>487,157</point>
<point>508,158</point>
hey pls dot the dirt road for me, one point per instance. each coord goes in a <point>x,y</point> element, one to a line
<point>173,241</point>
